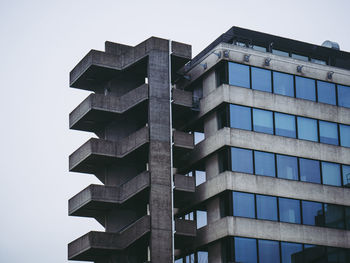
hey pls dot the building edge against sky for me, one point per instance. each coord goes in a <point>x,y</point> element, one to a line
<point>241,154</point>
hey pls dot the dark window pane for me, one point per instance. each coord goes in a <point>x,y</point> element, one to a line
<point>334,216</point>
<point>305,88</point>
<point>242,160</point>
<point>344,135</point>
<point>238,75</point>
<point>283,84</point>
<point>336,255</point>
<point>312,213</point>
<point>344,96</point>
<point>326,92</point>
<point>261,79</point>
<point>263,121</point>
<point>309,171</point>
<point>243,205</point>
<point>266,207</point>
<point>269,251</point>
<point>240,117</point>
<point>285,125</point>
<point>346,175</point>
<point>287,167</point>
<point>307,129</point>
<point>289,250</point>
<point>245,250</point>
<point>331,174</point>
<point>289,210</point>
<point>264,163</point>
<point>328,132</point>
<point>347,217</point>
<point>280,53</point>
<point>300,57</point>
<point>314,254</point>
<point>202,256</point>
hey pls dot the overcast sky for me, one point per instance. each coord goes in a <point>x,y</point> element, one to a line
<point>41,41</point>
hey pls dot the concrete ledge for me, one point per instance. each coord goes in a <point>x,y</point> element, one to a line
<point>185,187</point>
<point>97,198</point>
<point>183,140</point>
<point>97,244</point>
<point>263,229</point>
<point>97,152</point>
<point>185,232</point>
<point>182,98</point>
<point>97,109</point>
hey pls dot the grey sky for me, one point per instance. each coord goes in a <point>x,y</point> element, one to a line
<point>41,41</point>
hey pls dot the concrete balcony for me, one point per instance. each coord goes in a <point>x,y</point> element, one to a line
<point>184,189</point>
<point>97,109</point>
<point>185,233</point>
<point>96,153</point>
<point>95,245</point>
<point>184,107</point>
<point>183,143</point>
<point>96,199</point>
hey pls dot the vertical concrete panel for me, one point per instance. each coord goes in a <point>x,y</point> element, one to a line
<point>209,83</point>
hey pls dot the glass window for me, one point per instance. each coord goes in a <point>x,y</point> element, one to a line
<point>307,129</point>
<point>198,137</point>
<point>259,48</point>
<point>240,117</point>
<point>314,253</point>
<point>242,160</point>
<point>288,250</point>
<point>305,88</point>
<point>245,250</point>
<point>347,217</point>
<point>285,125</point>
<point>331,174</point>
<point>280,53</point>
<point>269,251</point>
<point>190,258</point>
<point>300,57</point>
<point>266,207</point>
<point>287,167</point>
<point>337,255</point>
<point>264,163</point>
<point>346,175</point>
<point>238,75</point>
<point>334,216</point>
<point>243,205</point>
<point>202,256</point>
<point>326,92</point>
<point>200,177</point>
<point>201,218</point>
<point>344,96</point>
<point>283,84</point>
<point>328,132</point>
<point>289,210</point>
<point>318,61</point>
<point>309,171</point>
<point>344,135</point>
<point>180,260</point>
<point>263,121</point>
<point>312,213</point>
<point>261,79</point>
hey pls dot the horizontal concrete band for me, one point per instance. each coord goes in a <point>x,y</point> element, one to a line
<point>184,183</point>
<point>108,194</point>
<point>233,181</point>
<point>273,102</point>
<point>182,98</point>
<point>267,143</point>
<point>185,227</point>
<point>263,229</point>
<point>80,248</point>
<point>183,139</point>
<point>111,104</point>
<point>278,63</point>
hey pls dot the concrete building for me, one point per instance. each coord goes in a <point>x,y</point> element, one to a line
<point>241,154</point>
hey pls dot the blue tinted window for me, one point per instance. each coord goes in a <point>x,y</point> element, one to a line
<point>288,250</point>
<point>328,132</point>
<point>240,117</point>
<point>312,213</point>
<point>202,257</point>
<point>283,84</point>
<point>287,167</point>
<point>326,92</point>
<point>289,210</point>
<point>243,205</point>
<point>300,57</point>
<point>309,171</point>
<point>305,88</point>
<point>344,96</point>
<point>334,216</point>
<point>344,135</point>
<point>201,218</point>
<point>200,177</point>
<point>266,207</point>
<point>269,251</point>
<point>280,53</point>
<point>263,121</point>
<point>190,258</point>
<point>261,79</point>
<point>331,174</point>
<point>346,175</point>
<point>264,163</point>
<point>238,75</point>
<point>245,250</point>
<point>242,160</point>
<point>307,129</point>
<point>285,125</point>
<point>180,260</point>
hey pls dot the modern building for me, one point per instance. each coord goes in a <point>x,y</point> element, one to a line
<point>241,154</point>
